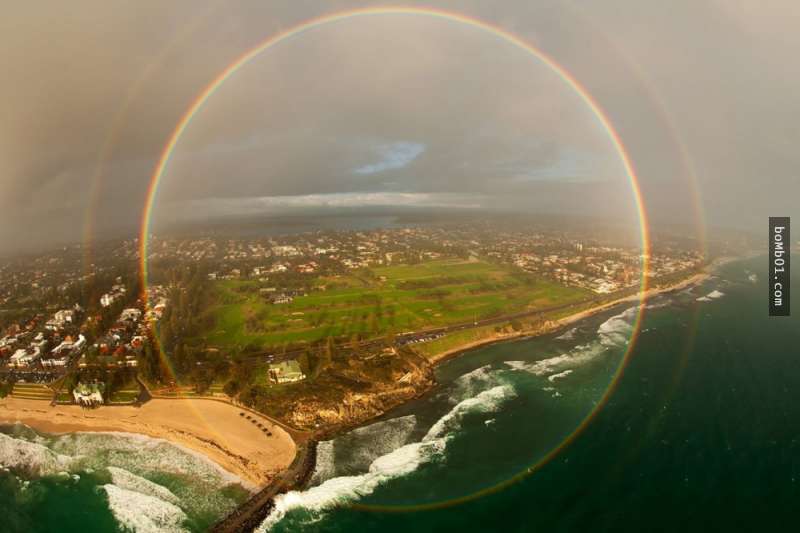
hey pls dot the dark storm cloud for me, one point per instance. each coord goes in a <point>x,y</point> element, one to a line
<point>452,111</point>
<point>397,110</point>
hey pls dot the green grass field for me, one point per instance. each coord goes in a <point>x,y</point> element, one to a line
<point>383,300</point>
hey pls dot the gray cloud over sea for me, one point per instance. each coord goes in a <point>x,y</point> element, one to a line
<point>394,110</point>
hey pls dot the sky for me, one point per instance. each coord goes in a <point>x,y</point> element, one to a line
<point>394,110</point>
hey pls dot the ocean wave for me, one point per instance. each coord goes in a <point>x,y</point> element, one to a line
<point>138,453</point>
<point>31,457</point>
<point>198,479</point>
<point>487,401</point>
<point>380,438</point>
<point>130,459</point>
<point>472,383</point>
<point>617,330</point>
<point>613,333</point>
<point>143,513</point>
<point>568,335</point>
<point>394,464</point>
<point>576,357</point>
<point>338,490</point>
<point>130,481</point>
<point>713,295</point>
<point>325,467</point>
<point>560,375</point>
<point>356,450</point>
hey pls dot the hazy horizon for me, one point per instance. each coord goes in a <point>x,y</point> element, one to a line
<point>361,115</point>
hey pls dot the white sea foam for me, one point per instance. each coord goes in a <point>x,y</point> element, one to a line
<point>612,333</point>
<point>753,278</point>
<point>568,335</point>
<point>560,375</point>
<point>616,330</point>
<point>130,459</point>
<point>518,365</point>
<point>579,355</point>
<point>378,439</point>
<point>356,450</point>
<point>135,453</point>
<point>473,382</point>
<point>344,489</point>
<point>130,481</point>
<point>143,513</point>
<point>713,295</point>
<point>325,467</point>
<point>19,454</point>
<point>397,463</point>
<point>487,401</point>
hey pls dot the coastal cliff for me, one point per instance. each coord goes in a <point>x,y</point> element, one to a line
<point>356,407</point>
<point>350,392</point>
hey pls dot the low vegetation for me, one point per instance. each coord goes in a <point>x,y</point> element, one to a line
<point>373,303</point>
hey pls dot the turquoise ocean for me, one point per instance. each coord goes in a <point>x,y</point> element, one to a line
<point>702,433</point>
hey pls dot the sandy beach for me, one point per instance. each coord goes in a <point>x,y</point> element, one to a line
<point>212,428</point>
<point>216,429</point>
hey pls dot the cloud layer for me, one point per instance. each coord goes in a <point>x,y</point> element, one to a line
<point>399,109</point>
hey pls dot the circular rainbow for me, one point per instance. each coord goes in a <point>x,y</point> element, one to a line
<point>505,36</point>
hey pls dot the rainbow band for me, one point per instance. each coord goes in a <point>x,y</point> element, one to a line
<point>203,97</point>
<point>504,35</point>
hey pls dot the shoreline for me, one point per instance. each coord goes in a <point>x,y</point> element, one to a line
<point>439,359</point>
<point>212,429</point>
<point>552,326</point>
<point>299,484</point>
<point>266,472</point>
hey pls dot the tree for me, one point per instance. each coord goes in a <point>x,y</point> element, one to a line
<point>326,357</point>
<point>232,388</point>
<point>202,379</point>
<point>354,342</point>
<point>179,357</point>
<point>307,362</point>
<point>372,322</point>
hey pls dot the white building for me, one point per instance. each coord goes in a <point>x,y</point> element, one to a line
<point>130,315</point>
<point>22,358</point>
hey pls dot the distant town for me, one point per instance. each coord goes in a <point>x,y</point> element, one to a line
<point>78,326</point>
